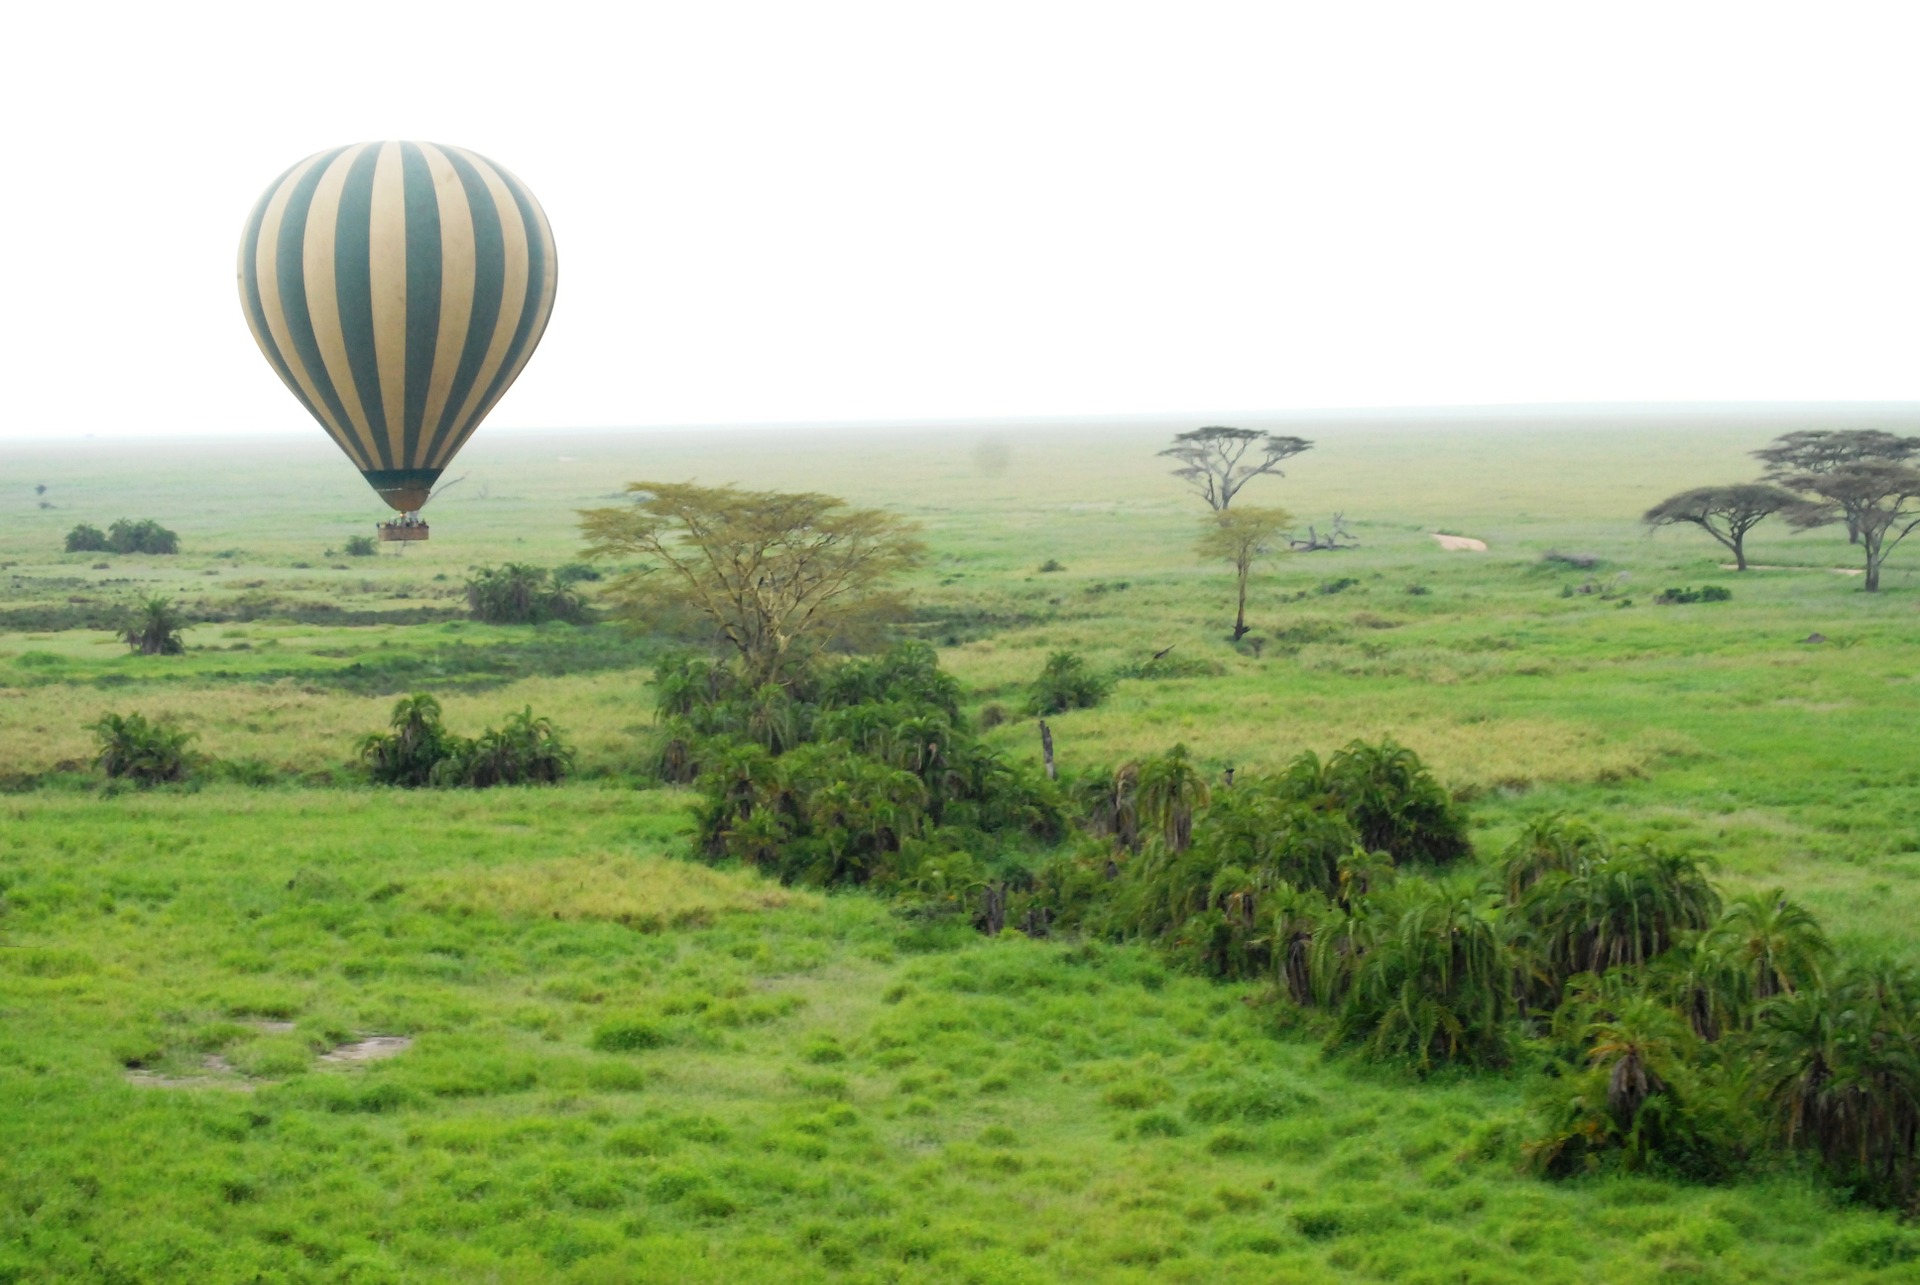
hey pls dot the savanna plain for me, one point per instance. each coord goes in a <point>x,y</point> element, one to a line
<point>281,1024</point>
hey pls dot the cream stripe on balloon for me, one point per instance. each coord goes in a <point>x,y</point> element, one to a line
<point>387,271</point>
<point>456,291</point>
<point>513,297</point>
<point>323,303</point>
<point>267,274</point>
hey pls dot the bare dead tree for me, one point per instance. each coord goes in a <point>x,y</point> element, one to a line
<point>1218,461</point>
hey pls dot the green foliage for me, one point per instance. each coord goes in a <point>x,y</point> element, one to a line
<point>360,546</point>
<point>124,536</point>
<point>417,750</point>
<point>1424,975</point>
<point>1608,908</point>
<point>86,538</point>
<point>1066,683</point>
<point>525,751</point>
<point>860,772</point>
<point>516,593</point>
<point>1705,593</point>
<point>1395,802</point>
<point>143,751</point>
<point>1840,1069</point>
<point>154,627</point>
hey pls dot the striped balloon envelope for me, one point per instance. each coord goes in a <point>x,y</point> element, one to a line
<point>398,289</point>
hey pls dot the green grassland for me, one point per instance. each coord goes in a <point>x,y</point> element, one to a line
<point>627,1066</point>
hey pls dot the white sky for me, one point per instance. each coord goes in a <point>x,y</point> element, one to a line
<point>818,211</point>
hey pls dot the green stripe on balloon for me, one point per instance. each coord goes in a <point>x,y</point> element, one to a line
<point>423,290</point>
<point>489,283</point>
<point>528,325</point>
<point>353,290</point>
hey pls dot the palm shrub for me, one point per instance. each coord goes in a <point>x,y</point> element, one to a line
<point>520,594</point>
<point>414,744</point>
<point>1394,801</point>
<point>1615,908</point>
<point>86,538</point>
<point>1429,977</point>
<point>525,751</point>
<point>1168,792</point>
<point>144,751</point>
<point>142,536</point>
<point>154,628</point>
<point>1839,1068</point>
<point>835,773</point>
<point>1066,683</point>
<point>1640,1096</point>
<point>1779,943</point>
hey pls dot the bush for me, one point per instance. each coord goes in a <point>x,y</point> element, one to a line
<point>1705,593</point>
<point>519,594</point>
<point>144,536</point>
<point>360,546</point>
<point>413,746</point>
<point>417,750</point>
<point>574,573</point>
<point>527,751</point>
<point>86,538</point>
<point>133,748</point>
<point>1066,683</point>
<point>154,628</point>
<point>1051,565</point>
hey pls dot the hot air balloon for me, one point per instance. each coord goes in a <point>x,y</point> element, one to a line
<point>398,289</point>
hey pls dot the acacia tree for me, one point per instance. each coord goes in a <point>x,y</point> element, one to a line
<point>1878,500</point>
<point>1242,536</point>
<point>1817,452</point>
<point>1214,461</point>
<point>1726,513</point>
<point>776,574</point>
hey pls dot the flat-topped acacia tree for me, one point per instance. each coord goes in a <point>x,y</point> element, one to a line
<point>776,574</point>
<point>1215,461</point>
<point>1879,500</point>
<point>1726,513</point>
<point>1816,452</point>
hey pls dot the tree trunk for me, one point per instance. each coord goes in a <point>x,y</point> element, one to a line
<point>1740,552</point>
<point>1240,616</point>
<point>1046,749</point>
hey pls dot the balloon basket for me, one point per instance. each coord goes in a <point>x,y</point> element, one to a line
<point>403,530</point>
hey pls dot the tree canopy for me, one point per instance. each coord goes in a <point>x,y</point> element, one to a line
<point>1878,499</point>
<point>1243,536</point>
<point>1819,451</point>
<point>1726,513</point>
<point>775,574</point>
<point>1215,461</point>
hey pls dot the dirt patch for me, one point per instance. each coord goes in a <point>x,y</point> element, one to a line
<point>1832,571</point>
<point>371,1049</point>
<point>217,1073</point>
<point>1460,543</point>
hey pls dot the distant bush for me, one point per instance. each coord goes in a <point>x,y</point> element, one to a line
<point>144,536</point>
<point>1341,585</point>
<point>86,538</point>
<point>1066,683</point>
<point>519,594</point>
<point>527,751</point>
<point>417,750</point>
<point>154,628</point>
<point>360,546</point>
<point>1579,561</point>
<point>1051,565</point>
<point>146,752</point>
<point>576,573</point>
<point>1705,593</point>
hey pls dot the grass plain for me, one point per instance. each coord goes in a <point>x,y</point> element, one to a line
<point>625,1066</point>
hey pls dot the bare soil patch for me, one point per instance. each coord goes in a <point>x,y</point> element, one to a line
<point>371,1049</point>
<point>1460,543</point>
